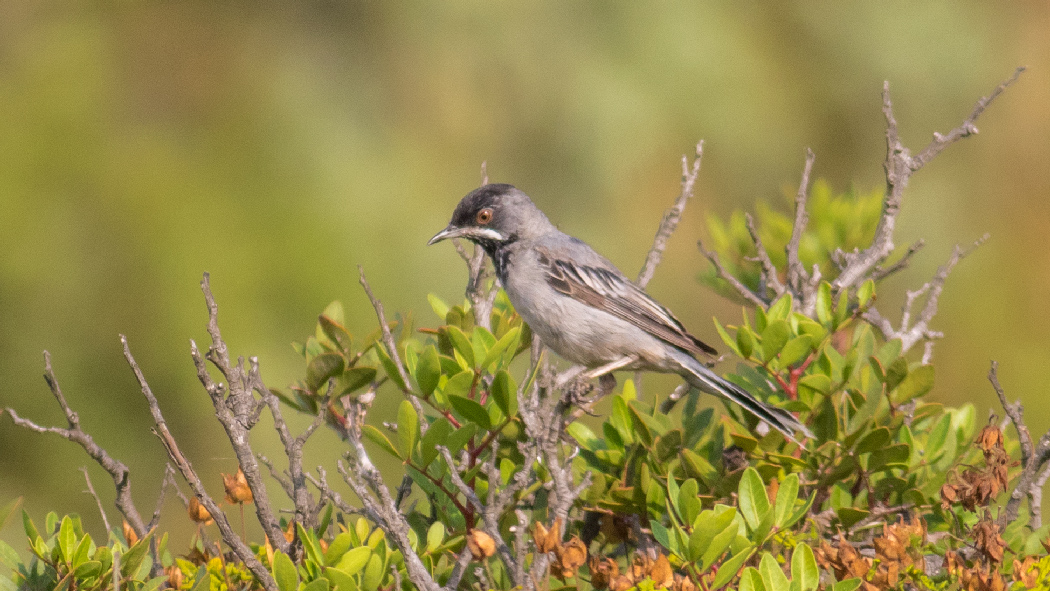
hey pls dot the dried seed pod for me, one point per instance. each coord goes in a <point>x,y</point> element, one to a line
<point>237,489</point>
<point>480,544</point>
<point>198,513</point>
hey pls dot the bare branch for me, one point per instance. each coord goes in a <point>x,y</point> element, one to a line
<point>899,167</point>
<point>101,511</point>
<point>797,278</point>
<point>119,472</point>
<point>1034,461</point>
<point>672,217</point>
<point>910,334</point>
<point>879,273</point>
<point>770,276</point>
<point>169,480</point>
<point>729,278</point>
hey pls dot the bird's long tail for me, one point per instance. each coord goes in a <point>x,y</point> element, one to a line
<point>705,380</point>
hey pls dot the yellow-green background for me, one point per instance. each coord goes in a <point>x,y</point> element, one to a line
<point>279,144</point>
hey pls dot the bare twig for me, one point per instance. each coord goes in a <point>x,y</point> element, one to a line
<point>98,501</point>
<point>899,166</point>
<point>672,217</point>
<point>1035,461</point>
<point>797,278</point>
<point>169,480</point>
<point>912,333</point>
<point>391,346</point>
<point>239,547</point>
<point>770,276</point>
<point>731,279</point>
<point>117,470</point>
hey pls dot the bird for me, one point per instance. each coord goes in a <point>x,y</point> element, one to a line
<point>582,306</point>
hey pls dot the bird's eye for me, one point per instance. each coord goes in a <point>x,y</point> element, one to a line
<point>484,216</point>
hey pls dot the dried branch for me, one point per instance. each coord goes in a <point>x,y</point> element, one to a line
<point>672,217</point>
<point>770,276</point>
<point>1035,468</point>
<point>239,547</point>
<point>293,447</point>
<point>391,345</point>
<point>731,279</point>
<point>797,278</point>
<point>117,470</point>
<point>98,501</point>
<point>169,480</point>
<point>899,166</point>
<point>911,333</point>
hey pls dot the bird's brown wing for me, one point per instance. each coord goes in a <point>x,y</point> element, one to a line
<point>608,290</point>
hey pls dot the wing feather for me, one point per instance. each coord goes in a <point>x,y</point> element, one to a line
<point>611,292</point>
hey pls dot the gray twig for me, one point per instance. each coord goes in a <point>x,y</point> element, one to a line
<point>797,278</point>
<point>1035,468</point>
<point>672,217</point>
<point>899,166</point>
<point>98,501</point>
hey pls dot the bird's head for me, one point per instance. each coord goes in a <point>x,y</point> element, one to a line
<point>495,215</point>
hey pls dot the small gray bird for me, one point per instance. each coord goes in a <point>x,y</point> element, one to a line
<point>581,305</point>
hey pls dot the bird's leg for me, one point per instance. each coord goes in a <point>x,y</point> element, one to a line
<point>606,384</point>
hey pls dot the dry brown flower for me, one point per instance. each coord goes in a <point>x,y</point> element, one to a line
<point>129,533</point>
<point>661,572</point>
<point>987,539</point>
<point>621,583</point>
<point>603,571</point>
<point>174,576</point>
<point>546,540</point>
<point>237,489</point>
<point>683,583</point>
<point>569,557</point>
<point>481,544</point>
<point>289,532</point>
<point>198,513</point>
<point>990,437</point>
<point>1026,572</point>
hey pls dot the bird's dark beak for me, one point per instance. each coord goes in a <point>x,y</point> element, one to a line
<point>449,232</point>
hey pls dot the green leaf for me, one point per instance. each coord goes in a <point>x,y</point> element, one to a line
<point>340,580</point>
<point>773,576</point>
<point>780,309</point>
<point>373,574</point>
<point>379,438</point>
<point>309,541</point>
<point>847,585</point>
<point>354,379</point>
<point>662,536</point>
<point>438,306</point>
<point>31,531</point>
<point>507,343</point>
<point>824,312</point>
<point>66,538</point>
<point>719,543</point>
<point>202,580</point>
<point>337,548</point>
<point>435,535</point>
<point>428,370</point>
<point>851,515</point>
<point>745,341</point>
<point>774,337</point>
<point>131,560</point>
<point>461,343</point>
<point>284,572</point>
<point>876,439</point>
<point>316,585</point>
<point>459,384</point>
<point>804,569</point>
<point>865,292</point>
<point>751,580</point>
<point>407,429</point>
<point>916,384</point>
<point>728,340</point>
<point>505,393</point>
<point>335,331</point>
<point>787,494</point>
<point>895,456</point>
<point>437,434</point>
<point>354,560</point>
<point>390,367</point>
<point>322,368</point>
<point>754,504</point>
<point>728,569</point>
<point>895,373</point>
<point>472,411</point>
<point>796,350</point>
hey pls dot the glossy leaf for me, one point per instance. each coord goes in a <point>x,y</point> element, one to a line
<point>774,337</point>
<point>754,504</point>
<point>471,410</point>
<point>407,429</point>
<point>773,577</point>
<point>804,571</point>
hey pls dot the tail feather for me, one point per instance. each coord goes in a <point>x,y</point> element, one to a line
<point>705,380</point>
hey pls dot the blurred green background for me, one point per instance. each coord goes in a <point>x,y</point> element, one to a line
<point>278,145</point>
